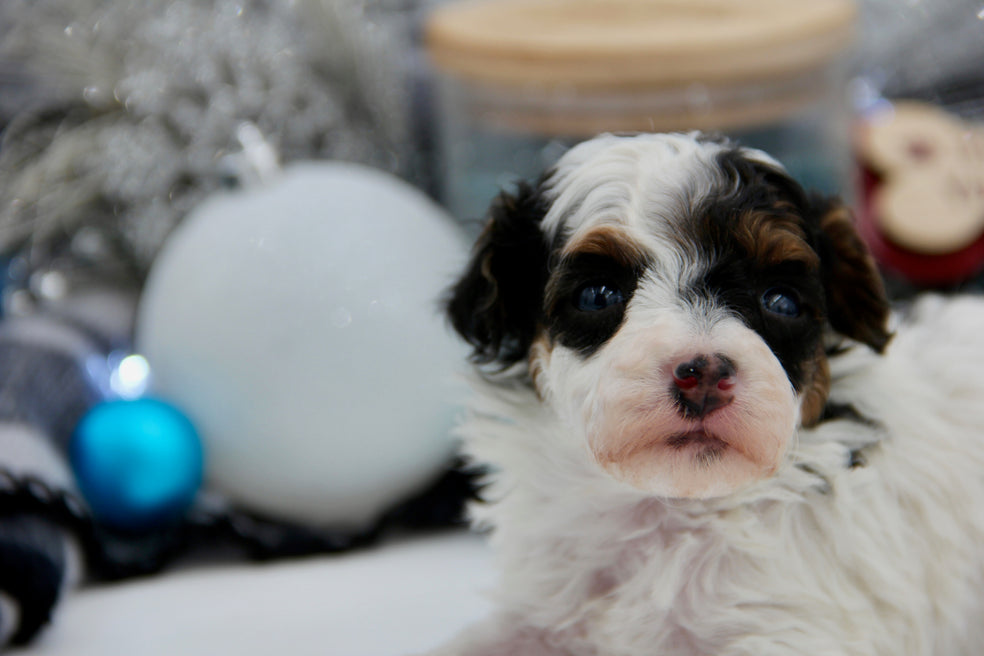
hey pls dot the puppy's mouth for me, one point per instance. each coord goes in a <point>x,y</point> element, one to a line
<point>707,448</point>
<point>699,438</point>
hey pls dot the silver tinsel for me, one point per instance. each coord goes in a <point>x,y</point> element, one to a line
<point>125,114</point>
<point>931,49</point>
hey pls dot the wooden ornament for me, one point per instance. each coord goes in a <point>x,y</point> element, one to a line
<point>930,166</point>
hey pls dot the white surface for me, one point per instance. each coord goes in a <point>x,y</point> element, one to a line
<point>298,325</point>
<point>400,598</point>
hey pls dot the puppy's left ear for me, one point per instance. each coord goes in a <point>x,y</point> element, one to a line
<point>857,305</point>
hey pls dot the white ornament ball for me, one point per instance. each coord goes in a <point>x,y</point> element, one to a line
<point>298,325</point>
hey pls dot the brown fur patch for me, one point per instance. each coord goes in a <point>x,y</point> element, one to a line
<point>540,351</point>
<point>774,237</point>
<point>609,241</point>
<point>815,390</point>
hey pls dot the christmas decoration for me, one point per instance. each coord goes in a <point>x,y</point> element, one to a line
<point>54,365</point>
<point>944,69</point>
<point>298,325</point>
<point>923,215</point>
<point>136,112</point>
<point>139,463</point>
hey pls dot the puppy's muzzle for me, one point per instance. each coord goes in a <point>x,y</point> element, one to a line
<point>703,384</point>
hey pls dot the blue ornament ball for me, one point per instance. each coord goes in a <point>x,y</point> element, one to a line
<point>138,463</point>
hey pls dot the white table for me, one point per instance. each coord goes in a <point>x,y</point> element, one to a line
<point>402,597</point>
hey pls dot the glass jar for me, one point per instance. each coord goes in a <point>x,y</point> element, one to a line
<point>522,80</point>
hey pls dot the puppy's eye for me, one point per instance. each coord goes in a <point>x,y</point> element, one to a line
<point>598,296</point>
<point>782,301</point>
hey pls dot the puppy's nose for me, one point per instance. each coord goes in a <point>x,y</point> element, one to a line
<point>703,384</point>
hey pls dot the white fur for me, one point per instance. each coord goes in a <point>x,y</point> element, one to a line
<point>807,556</point>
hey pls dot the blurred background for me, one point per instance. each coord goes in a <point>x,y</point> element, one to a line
<point>226,227</point>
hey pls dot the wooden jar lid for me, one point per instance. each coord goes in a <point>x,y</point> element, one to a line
<point>636,43</point>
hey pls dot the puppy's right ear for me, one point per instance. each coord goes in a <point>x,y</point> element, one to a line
<point>857,305</point>
<point>496,304</point>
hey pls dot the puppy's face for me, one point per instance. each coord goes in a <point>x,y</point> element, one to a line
<point>670,295</point>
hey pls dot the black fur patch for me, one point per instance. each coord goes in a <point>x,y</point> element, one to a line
<point>759,184</point>
<point>836,411</point>
<point>497,303</point>
<point>793,340</point>
<point>580,330</point>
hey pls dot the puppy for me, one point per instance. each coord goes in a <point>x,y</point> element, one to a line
<point>701,433</point>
